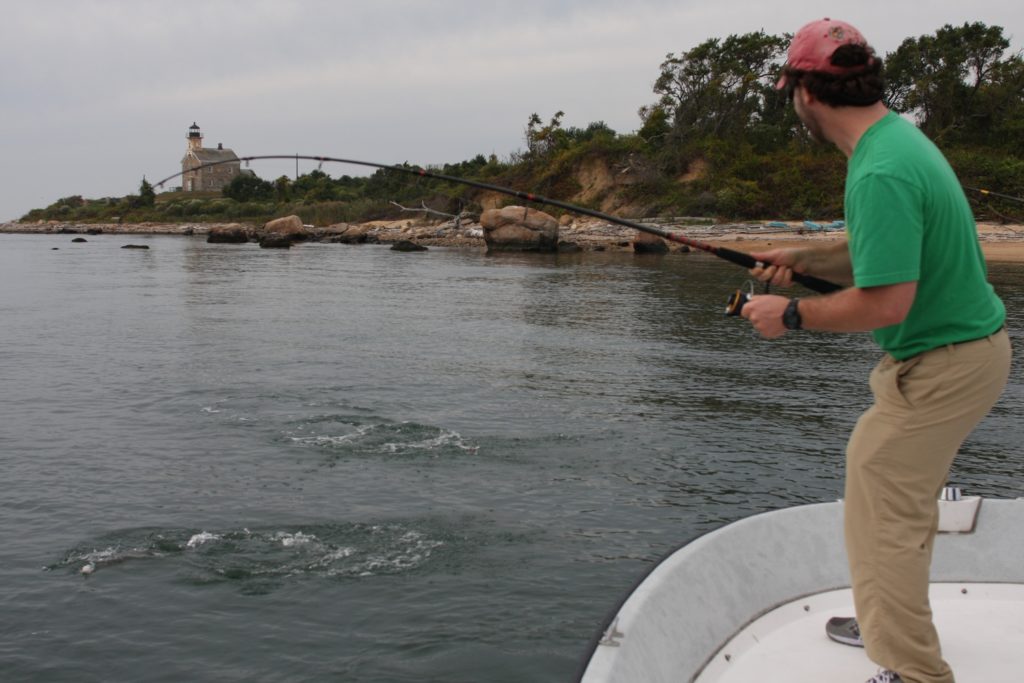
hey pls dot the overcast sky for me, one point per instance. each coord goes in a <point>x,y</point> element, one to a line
<point>96,95</point>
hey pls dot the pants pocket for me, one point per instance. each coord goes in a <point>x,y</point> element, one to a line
<point>888,381</point>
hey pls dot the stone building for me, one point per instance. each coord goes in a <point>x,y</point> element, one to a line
<point>211,178</point>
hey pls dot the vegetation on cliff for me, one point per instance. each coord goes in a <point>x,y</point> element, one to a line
<point>719,141</point>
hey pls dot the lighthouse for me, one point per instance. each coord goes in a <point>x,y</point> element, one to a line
<point>207,170</point>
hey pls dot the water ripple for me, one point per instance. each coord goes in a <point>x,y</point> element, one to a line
<point>383,438</point>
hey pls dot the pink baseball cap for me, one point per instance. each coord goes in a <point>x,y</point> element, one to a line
<point>813,45</point>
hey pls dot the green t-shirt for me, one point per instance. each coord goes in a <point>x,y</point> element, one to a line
<point>908,219</point>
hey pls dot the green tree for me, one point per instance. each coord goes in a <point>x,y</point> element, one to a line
<point>147,196</point>
<point>956,82</point>
<point>1002,107</point>
<point>656,126</point>
<point>247,188</point>
<point>283,190</point>
<point>542,140</point>
<point>315,186</point>
<point>721,87</point>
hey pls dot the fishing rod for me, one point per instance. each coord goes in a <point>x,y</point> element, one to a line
<point>738,257</point>
<point>990,193</point>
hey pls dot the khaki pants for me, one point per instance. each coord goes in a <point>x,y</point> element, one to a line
<point>897,462</point>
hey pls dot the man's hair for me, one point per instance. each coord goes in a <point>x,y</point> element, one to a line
<point>861,85</point>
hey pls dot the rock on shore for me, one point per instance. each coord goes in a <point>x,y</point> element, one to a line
<point>228,234</point>
<point>518,228</point>
<point>1000,243</point>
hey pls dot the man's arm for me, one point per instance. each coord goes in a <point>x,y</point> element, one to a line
<point>829,262</point>
<point>849,310</point>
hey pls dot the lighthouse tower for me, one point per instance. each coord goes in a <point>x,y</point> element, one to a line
<point>195,138</point>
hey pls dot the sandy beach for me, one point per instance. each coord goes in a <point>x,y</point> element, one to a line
<point>1000,243</point>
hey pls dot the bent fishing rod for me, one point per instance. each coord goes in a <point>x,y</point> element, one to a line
<point>990,193</point>
<point>738,257</point>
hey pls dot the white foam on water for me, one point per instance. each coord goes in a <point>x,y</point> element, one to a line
<point>93,560</point>
<point>338,554</point>
<point>297,539</point>
<point>328,559</point>
<point>201,538</point>
<point>391,549</point>
<point>417,550</point>
<point>324,440</point>
<point>445,438</point>
<point>110,554</point>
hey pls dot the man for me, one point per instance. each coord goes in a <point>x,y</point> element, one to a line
<point>918,282</point>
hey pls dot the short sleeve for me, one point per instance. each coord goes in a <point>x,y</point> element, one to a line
<point>885,219</point>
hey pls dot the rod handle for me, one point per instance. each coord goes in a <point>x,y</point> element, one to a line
<point>815,284</point>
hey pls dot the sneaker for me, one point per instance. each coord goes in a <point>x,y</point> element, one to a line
<point>885,676</point>
<point>844,630</point>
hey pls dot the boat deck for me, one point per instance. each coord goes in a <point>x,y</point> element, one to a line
<point>981,626</point>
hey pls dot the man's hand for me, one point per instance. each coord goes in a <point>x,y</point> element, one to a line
<point>830,262</point>
<point>765,313</point>
<point>780,272</point>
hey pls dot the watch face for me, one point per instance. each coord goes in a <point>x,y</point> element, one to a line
<point>791,316</point>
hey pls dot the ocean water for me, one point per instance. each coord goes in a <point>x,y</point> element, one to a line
<point>338,463</point>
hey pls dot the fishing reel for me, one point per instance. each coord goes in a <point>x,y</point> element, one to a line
<point>738,298</point>
<point>735,303</point>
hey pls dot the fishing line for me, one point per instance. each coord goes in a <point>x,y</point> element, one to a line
<point>738,257</point>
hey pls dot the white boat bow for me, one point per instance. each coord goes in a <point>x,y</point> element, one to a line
<point>749,601</point>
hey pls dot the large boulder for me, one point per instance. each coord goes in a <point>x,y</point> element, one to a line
<point>289,227</point>
<point>273,240</point>
<point>348,234</point>
<point>518,228</point>
<point>646,243</point>
<point>227,234</point>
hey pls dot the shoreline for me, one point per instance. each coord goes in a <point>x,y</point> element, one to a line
<point>999,243</point>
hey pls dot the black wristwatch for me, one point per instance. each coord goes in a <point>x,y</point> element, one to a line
<point>791,316</point>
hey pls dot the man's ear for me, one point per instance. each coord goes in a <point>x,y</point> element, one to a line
<point>805,96</point>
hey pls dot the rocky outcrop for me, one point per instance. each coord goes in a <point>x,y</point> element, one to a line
<point>344,233</point>
<point>273,240</point>
<point>276,233</point>
<point>518,228</point>
<point>289,226</point>
<point>281,233</point>
<point>228,234</point>
<point>646,243</point>
<point>407,245</point>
